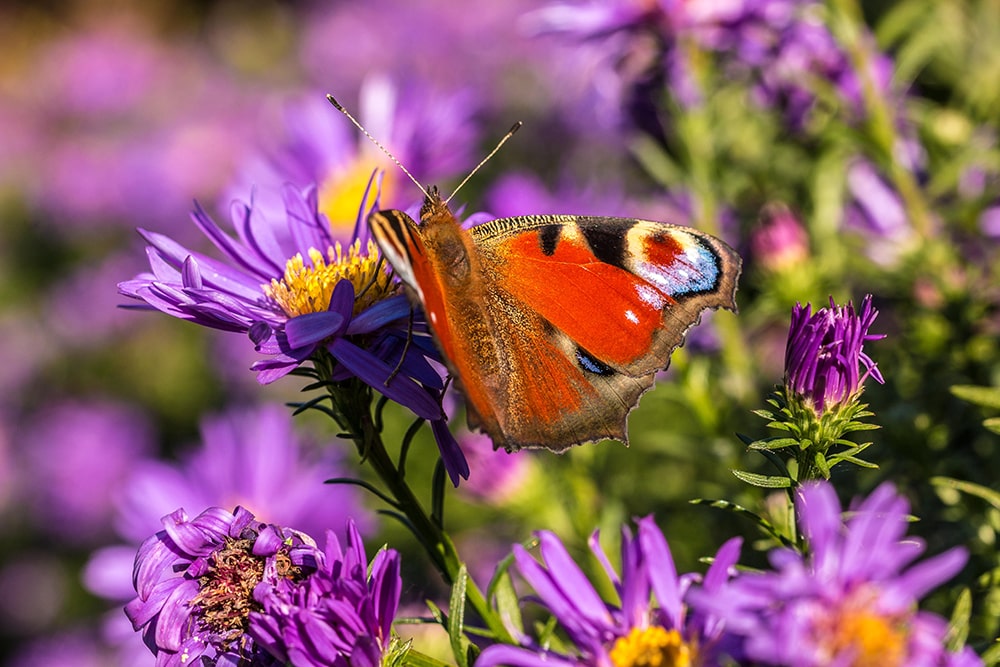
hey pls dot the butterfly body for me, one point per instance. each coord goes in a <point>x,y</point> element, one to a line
<point>555,325</point>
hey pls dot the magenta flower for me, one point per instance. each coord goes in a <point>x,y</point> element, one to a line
<point>824,354</point>
<point>852,600</point>
<point>780,46</point>
<point>339,616</point>
<point>780,241</point>
<point>73,458</point>
<point>634,631</point>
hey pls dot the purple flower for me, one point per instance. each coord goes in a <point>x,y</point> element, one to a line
<point>340,615</point>
<point>250,457</point>
<point>76,647</point>
<point>195,582</point>
<point>636,630</point>
<point>824,353</point>
<point>291,287</point>
<point>876,211</point>
<point>852,600</point>
<point>781,46</point>
<point>496,475</point>
<point>75,455</point>
<point>432,135</point>
<point>780,241</point>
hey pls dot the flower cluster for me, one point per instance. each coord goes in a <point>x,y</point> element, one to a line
<point>783,46</point>
<point>228,589</point>
<point>850,600</point>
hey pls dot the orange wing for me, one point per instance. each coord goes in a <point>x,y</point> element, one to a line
<point>593,307</point>
<point>555,325</point>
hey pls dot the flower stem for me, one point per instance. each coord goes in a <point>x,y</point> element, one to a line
<point>353,403</point>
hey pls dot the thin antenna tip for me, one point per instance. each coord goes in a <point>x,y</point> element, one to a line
<point>334,102</point>
<point>515,127</point>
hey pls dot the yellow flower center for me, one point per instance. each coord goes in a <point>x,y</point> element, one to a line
<point>651,647</point>
<point>870,638</point>
<point>308,288</point>
<point>341,192</point>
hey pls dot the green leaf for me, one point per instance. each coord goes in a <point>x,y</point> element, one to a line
<point>774,443</point>
<point>761,522</point>
<point>777,462</point>
<point>763,481</point>
<point>859,426</point>
<point>822,465</point>
<point>456,618</point>
<point>987,397</point>
<point>993,424</point>
<point>991,656</point>
<point>502,590</point>
<point>958,625</point>
<point>417,659</point>
<point>987,494</point>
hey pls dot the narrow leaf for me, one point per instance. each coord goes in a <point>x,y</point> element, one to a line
<point>763,481</point>
<point>456,618</point>
<point>987,397</point>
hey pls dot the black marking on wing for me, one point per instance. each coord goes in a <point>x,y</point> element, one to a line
<point>548,239</point>
<point>400,230</point>
<point>591,364</point>
<point>606,241</point>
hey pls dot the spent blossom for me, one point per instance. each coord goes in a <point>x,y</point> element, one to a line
<point>230,590</point>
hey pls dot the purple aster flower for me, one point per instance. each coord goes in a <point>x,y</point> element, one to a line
<point>292,307</point>
<point>876,211</point>
<point>76,647</point>
<point>75,455</point>
<point>496,475</point>
<point>339,308</point>
<point>195,582</point>
<point>339,616</point>
<point>431,134</point>
<point>635,631</point>
<point>144,124</point>
<point>781,46</point>
<point>852,600</point>
<point>824,354</point>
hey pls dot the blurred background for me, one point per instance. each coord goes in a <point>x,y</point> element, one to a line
<point>843,148</point>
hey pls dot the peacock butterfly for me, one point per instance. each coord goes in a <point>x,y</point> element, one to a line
<point>554,325</point>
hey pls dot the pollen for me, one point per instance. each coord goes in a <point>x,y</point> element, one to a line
<point>226,596</point>
<point>867,637</point>
<point>651,647</point>
<point>307,287</point>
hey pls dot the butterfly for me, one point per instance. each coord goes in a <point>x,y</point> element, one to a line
<point>554,325</point>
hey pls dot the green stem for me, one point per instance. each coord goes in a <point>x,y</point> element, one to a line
<point>881,122</point>
<point>696,129</point>
<point>354,403</point>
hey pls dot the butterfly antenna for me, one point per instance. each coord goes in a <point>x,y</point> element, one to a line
<point>375,141</point>
<point>510,133</point>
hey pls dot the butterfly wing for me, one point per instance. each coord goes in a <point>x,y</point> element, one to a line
<point>590,308</point>
<point>555,325</point>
